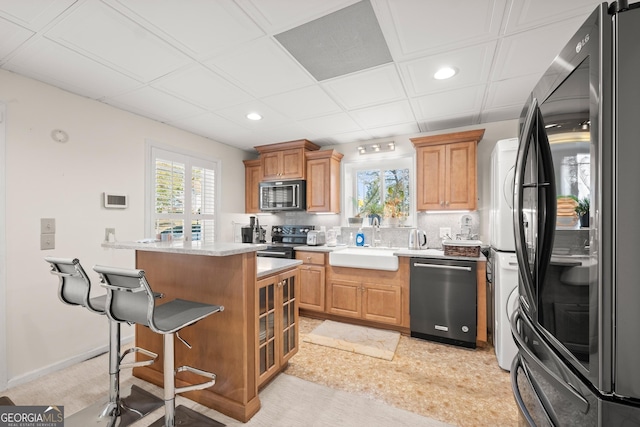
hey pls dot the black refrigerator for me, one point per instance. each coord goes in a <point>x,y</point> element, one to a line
<point>577,325</point>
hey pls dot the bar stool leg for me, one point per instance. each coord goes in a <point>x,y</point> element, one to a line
<point>169,381</point>
<point>116,411</point>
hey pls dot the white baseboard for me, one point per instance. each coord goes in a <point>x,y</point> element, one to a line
<point>30,376</point>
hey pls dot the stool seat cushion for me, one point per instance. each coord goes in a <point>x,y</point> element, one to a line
<point>179,313</point>
<point>99,303</point>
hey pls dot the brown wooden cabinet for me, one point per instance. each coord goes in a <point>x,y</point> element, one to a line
<point>285,160</point>
<point>277,323</point>
<point>312,281</point>
<point>369,299</point>
<point>252,178</point>
<point>323,181</point>
<point>447,171</point>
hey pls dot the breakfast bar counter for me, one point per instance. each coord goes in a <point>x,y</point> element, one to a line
<point>225,343</point>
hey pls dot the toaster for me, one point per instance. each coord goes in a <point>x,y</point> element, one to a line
<point>315,238</point>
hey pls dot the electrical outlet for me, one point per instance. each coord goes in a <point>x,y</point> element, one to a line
<point>445,232</point>
<point>47,241</point>
<point>47,225</point>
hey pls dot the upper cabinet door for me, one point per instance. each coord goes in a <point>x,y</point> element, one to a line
<point>323,181</point>
<point>285,160</point>
<point>447,173</point>
<point>252,178</point>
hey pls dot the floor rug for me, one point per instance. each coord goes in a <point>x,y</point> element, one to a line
<point>356,339</point>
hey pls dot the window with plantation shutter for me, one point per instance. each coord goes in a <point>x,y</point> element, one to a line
<point>183,200</point>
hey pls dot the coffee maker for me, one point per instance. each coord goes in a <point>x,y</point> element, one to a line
<point>253,233</point>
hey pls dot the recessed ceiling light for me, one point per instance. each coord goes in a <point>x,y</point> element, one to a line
<point>254,116</point>
<point>445,73</point>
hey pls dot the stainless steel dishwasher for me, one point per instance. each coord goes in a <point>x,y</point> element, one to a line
<point>443,301</point>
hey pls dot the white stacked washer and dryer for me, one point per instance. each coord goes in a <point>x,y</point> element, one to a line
<point>504,264</point>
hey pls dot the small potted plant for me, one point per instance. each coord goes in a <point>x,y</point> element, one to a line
<point>582,210</point>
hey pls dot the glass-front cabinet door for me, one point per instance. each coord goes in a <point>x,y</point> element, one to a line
<point>277,322</point>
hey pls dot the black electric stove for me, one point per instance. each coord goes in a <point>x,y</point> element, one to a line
<point>284,238</point>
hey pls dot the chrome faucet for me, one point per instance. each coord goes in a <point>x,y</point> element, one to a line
<point>376,232</point>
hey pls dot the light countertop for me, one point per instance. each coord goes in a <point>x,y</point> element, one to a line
<point>268,266</point>
<point>194,248</point>
<point>423,253</point>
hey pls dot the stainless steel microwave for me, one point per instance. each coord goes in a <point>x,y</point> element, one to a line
<point>283,195</point>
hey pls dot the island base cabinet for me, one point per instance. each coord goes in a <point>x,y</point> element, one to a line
<point>278,329</point>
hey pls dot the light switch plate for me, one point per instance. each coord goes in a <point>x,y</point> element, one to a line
<point>47,241</point>
<point>445,231</point>
<point>47,225</point>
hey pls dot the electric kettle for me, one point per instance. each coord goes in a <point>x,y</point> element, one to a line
<point>417,239</point>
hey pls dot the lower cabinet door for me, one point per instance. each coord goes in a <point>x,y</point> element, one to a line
<point>382,303</point>
<point>312,294</point>
<point>344,297</point>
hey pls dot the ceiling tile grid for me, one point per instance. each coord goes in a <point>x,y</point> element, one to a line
<point>202,68</point>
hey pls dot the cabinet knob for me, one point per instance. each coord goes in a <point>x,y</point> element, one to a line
<point>308,258</point>
<point>441,203</point>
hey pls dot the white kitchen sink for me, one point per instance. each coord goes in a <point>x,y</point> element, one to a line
<point>369,258</point>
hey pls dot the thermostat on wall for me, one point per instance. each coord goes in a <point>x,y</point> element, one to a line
<point>117,201</point>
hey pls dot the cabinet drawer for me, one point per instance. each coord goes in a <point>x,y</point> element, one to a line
<point>310,257</point>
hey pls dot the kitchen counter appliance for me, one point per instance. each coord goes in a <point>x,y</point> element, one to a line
<point>278,196</point>
<point>284,238</point>
<point>316,238</point>
<point>576,326</point>
<point>443,300</point>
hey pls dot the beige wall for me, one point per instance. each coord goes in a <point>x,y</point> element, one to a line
<point>46,179</point>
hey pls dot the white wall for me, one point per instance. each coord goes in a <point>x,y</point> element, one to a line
<point>47,179</point>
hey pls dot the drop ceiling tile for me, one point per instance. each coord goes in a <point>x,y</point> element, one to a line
<point>532,51</point>
<point>384,115</point>
<point>303,103</point>
<point>277,15</point>
<point>11,37</point>
<point>202,86</point>
<point>421,27</point>
<point>215,127</point>
<point>527,14</point>
<point>156,104</point>
<point>237,114</point>
<point>473,65</point>
<point>262,67</point>
<point>510,92</point>
<point>200,29</point>
<point>289,132</point>
<point>33,15</point>
<point>98,31</point>
<point>501,114</point>
<point>49,62</point>
<point>338,123</point>
<point>347,137</point>
<point>393,130</point>
<point>370,87</point>
<point>458,102</point>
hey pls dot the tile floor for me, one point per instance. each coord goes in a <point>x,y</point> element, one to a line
<point>458,386</point>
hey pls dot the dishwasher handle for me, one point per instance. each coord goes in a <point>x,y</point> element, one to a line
<point>447,267</point>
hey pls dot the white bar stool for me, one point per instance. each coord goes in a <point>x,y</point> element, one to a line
<point>130,299</point>
<point>74,289</point>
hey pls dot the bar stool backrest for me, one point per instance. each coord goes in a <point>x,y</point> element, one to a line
<point>129,296</point>
<point>74,286</point>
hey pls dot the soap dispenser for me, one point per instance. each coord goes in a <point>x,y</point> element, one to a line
<point>360,238</point>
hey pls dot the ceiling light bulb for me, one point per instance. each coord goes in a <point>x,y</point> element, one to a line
<point>254,116</point>
<point>445,73</point>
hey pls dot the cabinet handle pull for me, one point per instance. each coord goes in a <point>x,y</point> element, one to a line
<point>441,203</point>
<point>308,258</point>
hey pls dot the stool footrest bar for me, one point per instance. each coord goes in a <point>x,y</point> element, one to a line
<point>140,363</point>
<point>196,386</point>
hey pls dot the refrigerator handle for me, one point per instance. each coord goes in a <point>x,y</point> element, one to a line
<point>562,386</point>
<point>517,363</point>
<point>518,215</point>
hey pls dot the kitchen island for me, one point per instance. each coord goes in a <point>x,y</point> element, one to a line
<point>225,343</point>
